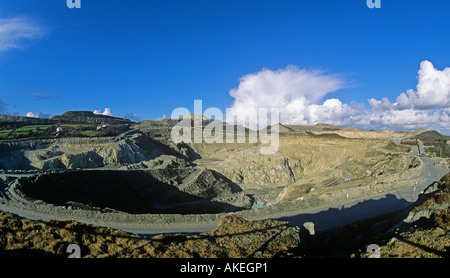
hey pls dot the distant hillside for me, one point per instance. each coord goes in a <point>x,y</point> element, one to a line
<point>317,127</point>
<point>428,137</point>
<point>89,117</point>
<point>73,124</point>
<point>438,144</point>
<point>5,119</point>
<point>68,117</point>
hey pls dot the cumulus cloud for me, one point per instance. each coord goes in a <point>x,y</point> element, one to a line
<point>294,91</point>
<point>433,89</point>
<point>381,105</point>
<point>106,112</point>
<point>406,119</point>
<point>301,95</point>
<point>425,107</point>
<point>17,30</point>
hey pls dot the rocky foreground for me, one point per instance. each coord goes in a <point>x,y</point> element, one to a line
<point>233,238</point>
<point>427,232</point>
<point>420,231</point>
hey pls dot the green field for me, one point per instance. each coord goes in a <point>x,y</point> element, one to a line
<point>18,133</point>
<point>69,130</point>
<point>90,133</point>
<point>76,126</point>
<point>32,127</point>
<point>24,130</point>
<point>3,133</point>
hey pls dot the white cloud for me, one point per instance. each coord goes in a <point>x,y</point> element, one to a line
<point>381,105</point>
<point>38,115</point>
<point>300,96</point>
<point>406,119</point>
<point>107,112</point>
<point>444,120</point>
<point>433,89</point>
<point>334,112</point>
<point>15,31</point>
<point>427,107</point>
<point>292,90</point>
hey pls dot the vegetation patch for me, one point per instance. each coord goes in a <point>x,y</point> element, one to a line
<point>436,142</point>
<point>33,127</point>
<point>90,133</point>
<point>5,133</point>
<point>235,237</point>
<point>28,131</point>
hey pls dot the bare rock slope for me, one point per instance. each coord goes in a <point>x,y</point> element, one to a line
<point>73,153</point>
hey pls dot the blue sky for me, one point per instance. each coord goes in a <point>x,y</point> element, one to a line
<point>148,57</point>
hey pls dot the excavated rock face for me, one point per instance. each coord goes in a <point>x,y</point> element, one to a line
<point>181,191</point>
<point>73,153</point>
<point>299,160</point>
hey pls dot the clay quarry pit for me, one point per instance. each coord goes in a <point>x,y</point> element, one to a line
<point>142,178</point>
<point>135,191</point>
